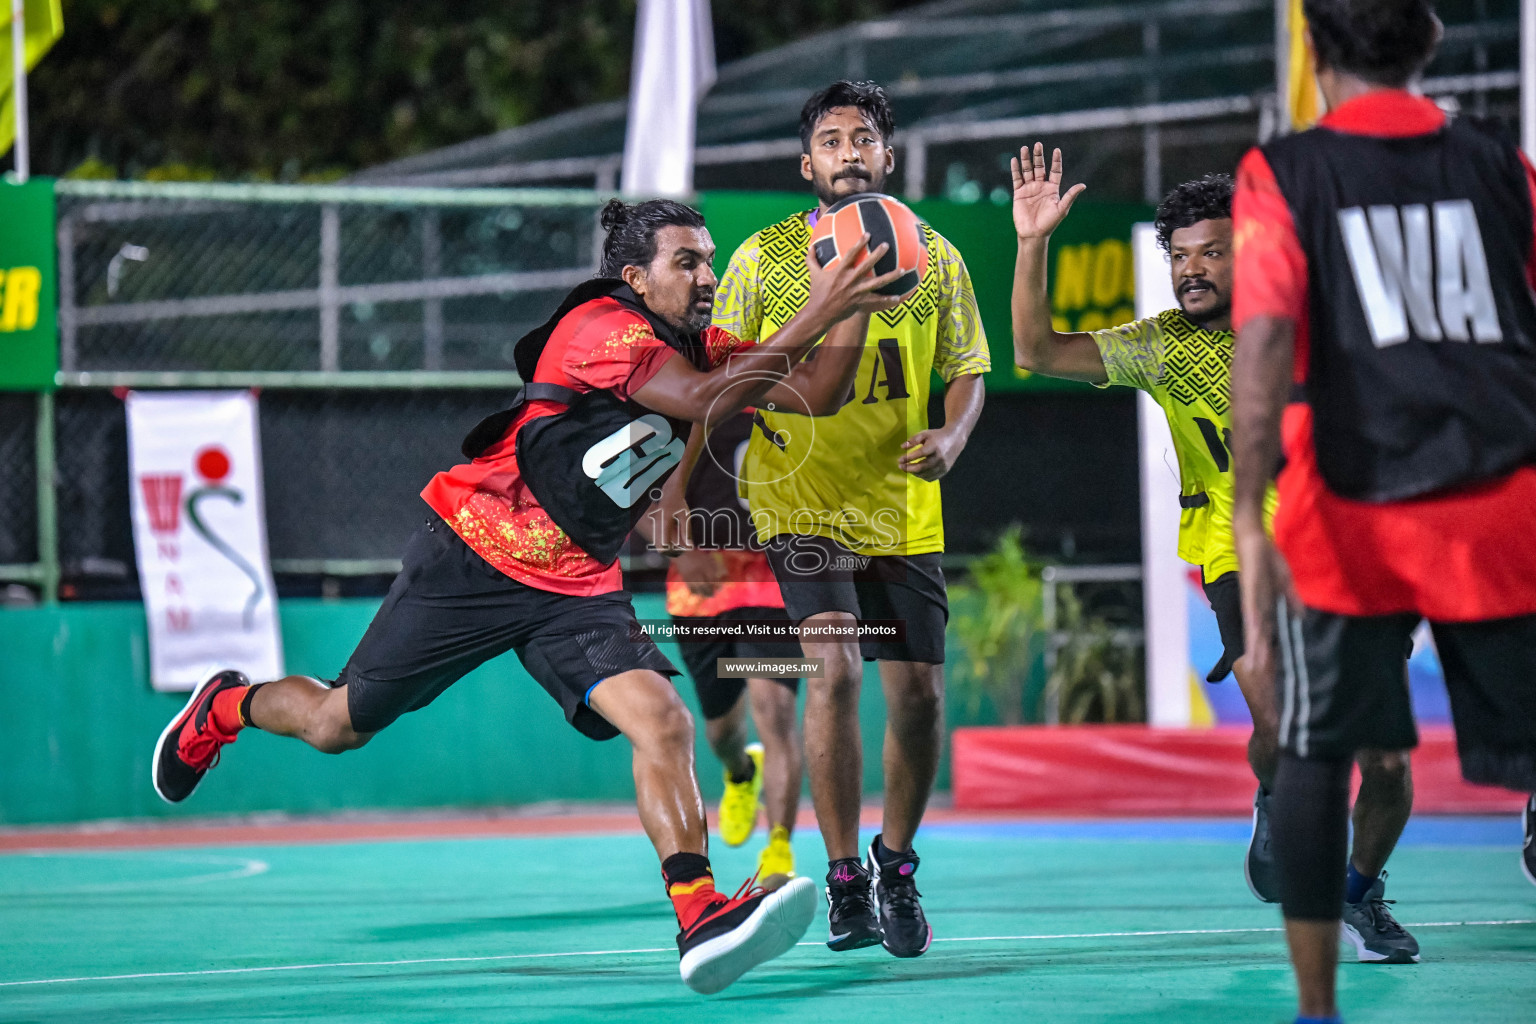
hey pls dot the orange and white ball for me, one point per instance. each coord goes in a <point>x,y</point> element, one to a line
<point>884,220</point>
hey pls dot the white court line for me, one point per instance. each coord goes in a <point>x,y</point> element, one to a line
<point>244,867</point>
<point>669,949</point>
<point>1193,931</point>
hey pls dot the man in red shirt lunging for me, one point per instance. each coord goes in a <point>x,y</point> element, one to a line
<point>1385,261</point>
<point>520,551</point>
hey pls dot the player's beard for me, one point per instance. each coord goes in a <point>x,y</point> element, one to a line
<point>695,321</point>
<point>1222,307</point>
<point>868,181</point>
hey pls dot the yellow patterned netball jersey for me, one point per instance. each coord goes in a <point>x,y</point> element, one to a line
<point>1188,371</point>
<point>837,476</point>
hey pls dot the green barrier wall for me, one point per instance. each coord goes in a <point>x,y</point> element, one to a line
<point>78,721</point>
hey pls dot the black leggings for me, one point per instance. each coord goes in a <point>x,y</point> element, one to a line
<point>1309,820</point>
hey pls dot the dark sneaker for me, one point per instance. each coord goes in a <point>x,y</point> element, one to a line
<point>1259,866</point>
<point>190,745</point>
<point>1528,852</point>
<point>904,929</point>
<point>734,935</point>
<point>851,919</point>
<point>1374,932</point>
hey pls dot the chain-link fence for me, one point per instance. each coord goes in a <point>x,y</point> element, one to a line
<point>252,278</point>
<point>378,322</point>
<point>18,480</point>
<point>342,470</point>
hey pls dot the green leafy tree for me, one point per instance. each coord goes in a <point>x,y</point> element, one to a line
<point>290,89</point>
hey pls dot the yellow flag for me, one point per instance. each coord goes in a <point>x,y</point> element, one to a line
<point>44,25</point>
<point>1300,75</point>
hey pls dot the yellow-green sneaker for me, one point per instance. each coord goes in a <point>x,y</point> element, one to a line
<point>776,864</point>
<point>738,808</point>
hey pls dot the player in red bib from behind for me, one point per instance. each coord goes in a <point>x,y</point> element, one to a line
<point>519,552</point>
<point>1385,261</point>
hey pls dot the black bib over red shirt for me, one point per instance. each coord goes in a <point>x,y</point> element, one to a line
<point>1422,371</point>
<point>1369,260</point>
<point>597,459</point>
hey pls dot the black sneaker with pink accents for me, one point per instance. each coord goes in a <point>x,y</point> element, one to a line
<point>851,919</point>
<point>904,928</point>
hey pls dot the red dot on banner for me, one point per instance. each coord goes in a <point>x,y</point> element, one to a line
<point>213,464</point>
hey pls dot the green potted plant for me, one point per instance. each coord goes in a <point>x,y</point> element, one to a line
<point>997,621</point>
<point>1095,673</point>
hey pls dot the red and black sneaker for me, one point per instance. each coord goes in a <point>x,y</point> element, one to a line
<point>730,936</point>
<point>190,745</point>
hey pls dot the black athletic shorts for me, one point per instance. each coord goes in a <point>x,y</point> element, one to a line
<point>817,575</point>
<point>1343,687</point>
<point>1226,598</point>
<point>450,610</point>
<point>716,695</point>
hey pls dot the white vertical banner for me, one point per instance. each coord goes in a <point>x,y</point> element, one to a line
<point>674,66</point>
<point>1162,571</point>
<point>200,536</point>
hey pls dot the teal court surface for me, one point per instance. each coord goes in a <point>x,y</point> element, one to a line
<point>1035,921</point>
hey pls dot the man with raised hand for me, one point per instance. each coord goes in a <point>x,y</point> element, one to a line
<point>1182,357</point>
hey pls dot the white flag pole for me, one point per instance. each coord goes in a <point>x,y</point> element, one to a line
<point>1528,78</point>
<point>674,65</point>
<point>1282,68</point>
<point>19,87</point>
<point>1164,590</point>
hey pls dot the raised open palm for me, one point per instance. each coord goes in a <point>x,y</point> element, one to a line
<point>1038,205</point>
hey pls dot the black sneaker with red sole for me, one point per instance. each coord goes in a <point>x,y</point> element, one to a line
<point>738,933</point>
<point>190,744</point>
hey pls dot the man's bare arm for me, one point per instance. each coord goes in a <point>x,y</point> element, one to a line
<point>930,454</point>
<point>963,398</point>
<point>1261,382</point>
<point>1038,208</point>
<point>817,386</point>
<point>667,519</point>
<point>846,289</point>
<point>1262,364</point>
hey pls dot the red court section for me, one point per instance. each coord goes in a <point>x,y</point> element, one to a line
<point>1131,770</point>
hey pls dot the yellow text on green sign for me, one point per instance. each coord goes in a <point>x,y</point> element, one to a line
<point>19,291</point>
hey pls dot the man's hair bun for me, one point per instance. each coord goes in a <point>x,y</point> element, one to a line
<point>631,231</point>
<point>615,214</point>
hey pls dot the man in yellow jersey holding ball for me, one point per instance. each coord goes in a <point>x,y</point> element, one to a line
<point>849,509</point>
<point>1182,357</point>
